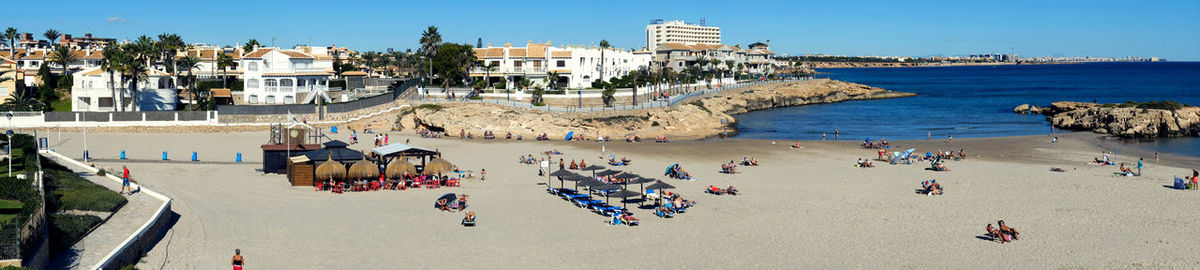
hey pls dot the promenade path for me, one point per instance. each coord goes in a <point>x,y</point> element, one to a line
<point>97,244</point>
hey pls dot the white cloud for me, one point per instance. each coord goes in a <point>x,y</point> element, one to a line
<point>115,19</point>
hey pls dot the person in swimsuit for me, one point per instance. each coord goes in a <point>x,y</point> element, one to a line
<point>1005,229</point>
<point>238,261</point>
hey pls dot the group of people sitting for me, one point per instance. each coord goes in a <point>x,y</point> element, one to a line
<point>677,172</point>
<point>403,183</point>
<point>529,159</point>
<point>931,187</point>
<point>455,205</point>
<point>622,162</point>
<point>864,163</point>
<point>938,166</point>
<point>674,204</point>
<point>489,135</point>
<point>749,161</point>
<point>729,168</point>
<point>939,155</point>
<point>426,133</point>
<point>580,165</point>
<point>883,143</point>
<point>1127,171</point>
<point>661,96</point>
<point>633,138</point>
<point>1103,160</point>
<point>543,137</point>
<point>720,191</point>
<point>463,134</point>
<point>661,139</point>
<point>1004,234</point>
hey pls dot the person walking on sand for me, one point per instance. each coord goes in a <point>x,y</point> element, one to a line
<point>929,136</point>
<point>950,137</point>
<point>238,261</point>
<point>386,138</point>
<point>822,136</point>
<point>603,150</point>
<point>482,174</point>
<point>125,180</point>
<point>1140,166</point>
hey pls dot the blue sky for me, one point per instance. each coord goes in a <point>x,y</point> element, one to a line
<point>1168,29</point>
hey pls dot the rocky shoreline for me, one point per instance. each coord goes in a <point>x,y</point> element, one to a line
<point>697,118</point>
<point>1119,119</point>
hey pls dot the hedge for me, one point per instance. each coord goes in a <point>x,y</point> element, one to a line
<point>66,229</point>
<point>68,191</point>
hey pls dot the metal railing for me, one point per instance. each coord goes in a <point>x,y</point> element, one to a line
<point>680,95</point>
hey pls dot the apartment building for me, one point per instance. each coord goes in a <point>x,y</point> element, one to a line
<point>574,66</point>
<point>92,91</point>
<point>283,76</point>
<point>659,32</point>
<point>758,59</point>
<point>208,55</point>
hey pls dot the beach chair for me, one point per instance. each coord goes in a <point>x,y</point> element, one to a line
<point>469,222</point>
<point>453,183</point>
<point>658,212</point>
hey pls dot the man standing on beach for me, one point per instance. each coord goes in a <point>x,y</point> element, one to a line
<point>822,136</point>
<point>950,137</point>
<point>836,134</point>
<point>125,180</point>
<point>603,150</point>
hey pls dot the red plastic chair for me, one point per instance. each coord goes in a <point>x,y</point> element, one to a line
<point>452,183</point>
<point>431,183</point>
<point>318,186</point>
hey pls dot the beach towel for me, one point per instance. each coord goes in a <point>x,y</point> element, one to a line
<point>1180,183</point>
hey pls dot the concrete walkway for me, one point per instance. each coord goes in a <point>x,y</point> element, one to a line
<point>97,244</point>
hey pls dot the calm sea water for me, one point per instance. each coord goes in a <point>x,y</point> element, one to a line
<point>977,101</point>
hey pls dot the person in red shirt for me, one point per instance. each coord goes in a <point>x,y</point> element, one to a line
<point>125,180</point>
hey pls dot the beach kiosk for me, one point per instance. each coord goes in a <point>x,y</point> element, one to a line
<point>286,142</point>
<point>385,154</point>
<point>301,168</point>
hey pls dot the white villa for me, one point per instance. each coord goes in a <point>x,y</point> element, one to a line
<point>93,92</point>
<point>279,76</point>
<point>575,66</point>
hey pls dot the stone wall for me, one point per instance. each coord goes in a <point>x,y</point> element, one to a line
<point>144,242</point>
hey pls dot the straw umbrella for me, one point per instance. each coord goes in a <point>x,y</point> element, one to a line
<point>331,169</point>
<point>363,169</point>
<point>438,166</point>
<point>398,168</point>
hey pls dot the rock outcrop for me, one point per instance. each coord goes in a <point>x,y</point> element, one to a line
<point>696,118</point>
<point>1120,121</point>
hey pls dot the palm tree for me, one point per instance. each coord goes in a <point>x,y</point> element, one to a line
<point>63,56</point>
<point>11,35</point>
<point>604,45</point>
<point>250,45</point>
<point>430,40</point>
<point>168,45</point>
<point>487,77</point>
<point>187,64</point>
<point>224,61</point>
<point>729,66</point>
<point>551,79</point>
<point>51,35</point>
<point>134,69</point>
<point>111,65</point>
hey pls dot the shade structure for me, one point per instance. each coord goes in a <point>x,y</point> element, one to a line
<point>626,175</point>
<point>363,169</point>
<point>399,167</point>
<point>592,168</point>
<point>570,177</point>
<point>607,187</point>
<point>438,166</point>
<point>607,173</point>
<point>588,182</point>
<point>641,181</point>
<point>660,185</point>
<point>331,169</point>
<point>561,173</point>
<point>624,193</point>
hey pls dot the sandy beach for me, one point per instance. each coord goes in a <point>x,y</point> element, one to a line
<point>802,208</point>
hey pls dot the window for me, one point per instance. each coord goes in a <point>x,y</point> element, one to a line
<point>270,99</point>
<point>289,99</point>
<point>286,85</point>
<point>106,102</point>
<point>252,83</point>
<point>302,83</point>
<point>562,63</point>
<point>517,64</point>
<point>252,66</point>
<point>271,84</point>
<point>253,98</point>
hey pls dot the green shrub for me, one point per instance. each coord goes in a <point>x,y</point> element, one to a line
<point>539,104</point>
<point>66,229</point>
<point>129,267</point>
<point>476,98</point>
<point>21,190</point>
<point>434,107</point>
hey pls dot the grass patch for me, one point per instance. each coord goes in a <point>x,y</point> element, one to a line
<point>61,105</point>
<point>66,229</point>
<point>434,107</point>
<point>68,191</point>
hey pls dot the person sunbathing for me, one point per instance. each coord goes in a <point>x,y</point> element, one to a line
<point>796,145</point>
<point>625,160</point>
<point>715,190</point>
<point>994,234</point>
<point>753,162</point>
<point>470,218</point>
<point>1057,169</point>
<point>628,218</point>
<point>1008,231</point>
<point>731,190</point>
<point>942,167</point>
<point>1125,170</point>
<point>441,203</point>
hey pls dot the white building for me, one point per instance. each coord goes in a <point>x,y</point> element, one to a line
<point>758,59</point>
<point>208,55</point>
<point>278,76</point>
<point>575,66</point>
<point>92,91</point>
<point>680,32</point>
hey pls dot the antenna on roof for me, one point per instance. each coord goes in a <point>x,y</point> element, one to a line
<point>656,21</point>
<point>702,21</point>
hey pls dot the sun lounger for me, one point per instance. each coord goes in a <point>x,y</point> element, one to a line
<point>662,214</point>
<point>469,222</point>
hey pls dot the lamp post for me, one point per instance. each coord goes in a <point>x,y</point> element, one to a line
<point>10,143</point>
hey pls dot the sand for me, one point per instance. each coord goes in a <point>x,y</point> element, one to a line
<point>803,208</point>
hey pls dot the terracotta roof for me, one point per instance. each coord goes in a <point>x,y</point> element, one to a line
<point>560,54</point>
<point>94,72</point>
<point>537,50</point>
<point>221,92</point>
<point>258,53</point>
<point>84,55</point>
<point>295,54</point>
<point>354,73</point>
<point>494,52</point>
<point>517,52</point>
<point>561,71</point>
<point>7,61</point>
<point>34,55</point>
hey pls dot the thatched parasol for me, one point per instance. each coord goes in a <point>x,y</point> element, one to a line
<point>363,169</point>
<point>331,169</point>
<point>399,167</point>
<point>438,166</point>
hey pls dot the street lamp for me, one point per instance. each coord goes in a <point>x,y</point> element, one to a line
<point>10,143</point>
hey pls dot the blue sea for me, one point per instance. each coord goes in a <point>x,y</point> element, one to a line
<point>977,101</point>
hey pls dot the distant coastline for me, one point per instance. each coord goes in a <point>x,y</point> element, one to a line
<point>918,64</point>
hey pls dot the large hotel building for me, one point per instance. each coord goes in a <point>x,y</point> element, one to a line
<point>659,32</point>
